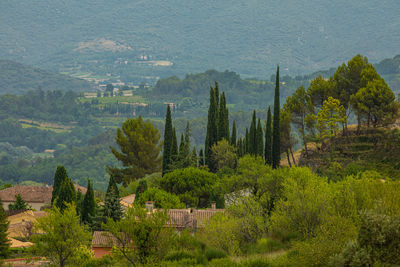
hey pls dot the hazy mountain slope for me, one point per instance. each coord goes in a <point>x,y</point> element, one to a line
<point>247,36</point>
<point>16,78</point>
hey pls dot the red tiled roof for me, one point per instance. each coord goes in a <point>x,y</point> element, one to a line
<point>35,194</point>
<point>103,240</point>
<point>182,218</point>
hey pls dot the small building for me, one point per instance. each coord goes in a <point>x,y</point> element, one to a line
<point>102,243</point>
<point>35,196</point>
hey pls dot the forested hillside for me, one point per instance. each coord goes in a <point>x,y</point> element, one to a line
<point>16,78</point>
<point>132,40</point>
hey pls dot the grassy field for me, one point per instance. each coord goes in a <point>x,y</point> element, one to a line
<point>58,128</point>
<point>120,99</point>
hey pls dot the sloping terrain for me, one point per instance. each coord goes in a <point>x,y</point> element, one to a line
<point>16,78</point>
<point>249,37</point>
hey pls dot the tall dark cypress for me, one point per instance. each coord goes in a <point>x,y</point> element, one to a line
<point>276,142</point>
<point>233,136</point>
<point>112,204</point>
<point>211,136</point>
<point>167,141</point>
<point>247,142</point>
<point>88,205</point>
<point>66,194</point>
<point>59,177</point>
<point>268,139</point>
<point>253,135</point>
<point>223,123</point>
<point>259,139</point>
<point>201,158</point>
<point>174,148</point>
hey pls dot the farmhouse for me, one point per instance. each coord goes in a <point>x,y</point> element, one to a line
<point>35,196</point>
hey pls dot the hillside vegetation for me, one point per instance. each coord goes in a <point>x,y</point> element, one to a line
<point>16,78</point>
<point>249,37</point>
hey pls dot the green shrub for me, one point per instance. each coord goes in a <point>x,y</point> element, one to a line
<point>259,262</point>
<point>179,255</point>
<point>264,245</point>
<point>212,253</point>
<point>222,262</point>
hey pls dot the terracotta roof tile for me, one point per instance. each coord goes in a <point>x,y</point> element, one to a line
<point>103,239</point>
<point>35,194</point>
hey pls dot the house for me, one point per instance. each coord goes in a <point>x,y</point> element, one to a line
<point>102,243</point>
<point>127,201</point>
<point>35,196</point>
<point>180,219</point>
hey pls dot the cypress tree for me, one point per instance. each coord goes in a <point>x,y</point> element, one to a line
<point>223,121</point>
<point>88,205</point>
<point>67,194</point>
<point>112,206</point>
<point>276,142</point>
<point>246,142</point>
<point>253,135</point>
<point>201,158</point>
<point>142,187</point>
<point>167,141</point>
<point>4,242</point>
<point>59,177</point>
<point>260,137</point>
<point>211,136</point>
<point>174,147</point>
<point>233,136</point>
<point>268,139</point>
<point>182,147</point>
<point>239,147</point>
<point>193,158</point>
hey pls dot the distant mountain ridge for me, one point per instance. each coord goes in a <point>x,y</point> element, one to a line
<point>16,78</point>
<point>249,37</point>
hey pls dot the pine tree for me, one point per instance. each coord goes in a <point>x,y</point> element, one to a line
<point>259,138</point>
<point>59,177</point>
<point>268,139</point>
<point>276,142</point>
<point>66,195</point>
<point>253,135</point>
<point>167,141</point>
<point>19,204</point>
<point>201,158</point>
<point>4,241</point>
<point>233,136</point>
<point>88,205</point>
<point>79,201</point>
<point>112,205</point>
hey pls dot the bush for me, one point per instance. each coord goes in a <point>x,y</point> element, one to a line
<point>259,262</point>
<point>179,255</point>
<point>264,245</point>
<point>222,262</point>
<point>212,253</point>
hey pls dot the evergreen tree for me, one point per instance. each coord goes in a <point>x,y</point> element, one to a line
<point>259,139</point>
<point>211,136</point>
<point>88,205</point>
<point>4,242</point>
<point>19,204</point>
<point>112,205</point>
<point>174,148</point>
<point>253,135</point>
<point>193,158</point>
<point>79,201</point>
<point>59,177</point>
<point>66,195</point>
<point>201,158</point>
<point>167,141</point>
<point>223,122</point>
<point>233,136</point>
<point>276,142</point>
<point>142,187</point>
<point>268,139</point>
<point>246,142</point>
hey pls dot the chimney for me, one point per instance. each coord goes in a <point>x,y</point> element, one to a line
<point>149,206</point>
<point>213,205</point>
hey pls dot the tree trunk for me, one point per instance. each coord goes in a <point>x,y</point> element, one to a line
<point>294,161</point>
<point>288,158</point>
